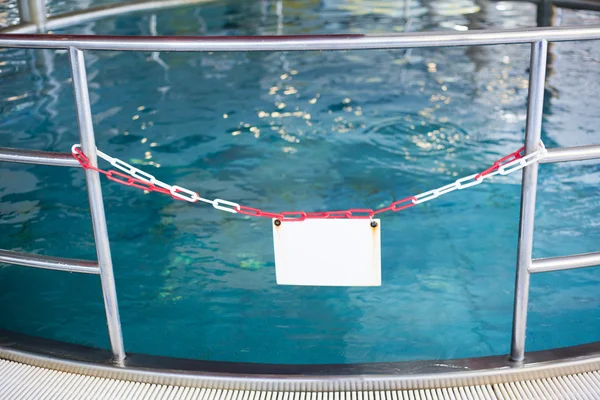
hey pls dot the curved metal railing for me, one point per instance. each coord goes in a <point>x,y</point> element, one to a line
<point>33,15</point>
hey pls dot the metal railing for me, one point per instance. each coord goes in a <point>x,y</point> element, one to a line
<point>538,38</point>
<point>37,22</point>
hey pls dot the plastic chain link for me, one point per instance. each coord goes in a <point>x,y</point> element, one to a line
<point>132,176</point>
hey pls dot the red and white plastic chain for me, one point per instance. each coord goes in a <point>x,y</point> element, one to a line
<point>137,178</point>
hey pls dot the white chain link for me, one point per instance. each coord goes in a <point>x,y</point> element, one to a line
<point>476,179</point>
<point>176,191</point>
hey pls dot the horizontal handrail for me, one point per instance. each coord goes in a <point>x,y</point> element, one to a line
<point>106,11</point>
<point>37,157</point>
<point>591,5</point>
<point>300,42</point>
<point>22,28</point>
<point>79,17</point>
<point>47,262</point>
<point>559,154</point>
<point>565,262</point>
<point>578,153</point>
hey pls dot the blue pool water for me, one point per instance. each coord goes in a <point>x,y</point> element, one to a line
<point>312,131</point>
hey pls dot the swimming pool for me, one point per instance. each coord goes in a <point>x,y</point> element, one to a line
<point>309,131</point>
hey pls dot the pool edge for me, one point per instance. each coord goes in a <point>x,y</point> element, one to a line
<point>384,376</point>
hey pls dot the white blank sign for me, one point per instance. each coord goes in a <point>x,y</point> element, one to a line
<point>328,252</point>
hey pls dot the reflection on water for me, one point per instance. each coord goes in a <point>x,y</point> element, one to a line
<point>311,131</point>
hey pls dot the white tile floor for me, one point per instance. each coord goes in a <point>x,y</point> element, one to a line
<point>22,381</point>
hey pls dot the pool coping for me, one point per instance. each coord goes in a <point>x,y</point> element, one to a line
<point>92,361</point>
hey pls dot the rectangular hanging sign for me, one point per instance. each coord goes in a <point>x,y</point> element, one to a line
<point>328,252</point>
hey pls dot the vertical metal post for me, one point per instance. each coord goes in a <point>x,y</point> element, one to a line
<point>24,11</point>
<point>279,11</point>
<point>537,78</point>
<point>88,143</point>
<point>33,11</point>
<point>544,13</point>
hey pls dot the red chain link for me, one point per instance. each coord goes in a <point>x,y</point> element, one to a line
<point>353,213</point>
<point>504,160</point>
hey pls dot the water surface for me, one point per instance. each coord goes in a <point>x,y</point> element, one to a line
<point>310,131</point>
